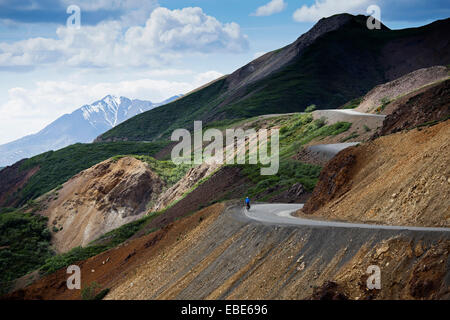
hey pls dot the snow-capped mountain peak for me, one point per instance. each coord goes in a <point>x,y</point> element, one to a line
<point>83,125</point>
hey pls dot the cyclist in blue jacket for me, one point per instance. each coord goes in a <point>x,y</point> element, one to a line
<point>247,203</point>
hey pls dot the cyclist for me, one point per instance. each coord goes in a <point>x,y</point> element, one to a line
<point>247,203</point>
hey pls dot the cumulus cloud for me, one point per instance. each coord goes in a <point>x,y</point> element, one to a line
<point>165,35</point>
<point>186,29</point>
<point>274,6</point>
<point>27,111</point>
<point>326,8</point>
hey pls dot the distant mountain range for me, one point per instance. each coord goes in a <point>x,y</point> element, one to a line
<point>83,125</point>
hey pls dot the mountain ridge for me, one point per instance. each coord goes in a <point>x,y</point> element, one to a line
<point>319,68</point>
<point>80,126</point>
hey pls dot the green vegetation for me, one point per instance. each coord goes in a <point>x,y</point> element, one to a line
<point>316,78</point>
<point>431,123</point>
<point>353,135</point>
<point>295,131</point>
<point>24,244</point>
<point>353,104</point>
<point>301,129</point>
<point>169,172</point>
<point>56,167</point>
<point>223,124</point>
<point>289,173</point>
<point>311,108</point>
<point>88,293</point>
<point>91,292</point>
<point>384,102</point>
<point>162,121</point>
<point>366,128</point>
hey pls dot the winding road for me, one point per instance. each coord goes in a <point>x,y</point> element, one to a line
<point>280,214</point>
<point>336,115</point>
<point>330,150</point>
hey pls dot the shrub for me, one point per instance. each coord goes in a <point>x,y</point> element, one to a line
<point>384,102</point>
<point>25,242</point>
<point>90,292</point>
<point>353,135</point>
<point>310,108</point>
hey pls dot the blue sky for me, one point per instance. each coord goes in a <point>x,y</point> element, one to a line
<point>149,49</point>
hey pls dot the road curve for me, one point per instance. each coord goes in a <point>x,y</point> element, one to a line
<point>330,150</point>
<point>331,112</point>
<point>280,214</point>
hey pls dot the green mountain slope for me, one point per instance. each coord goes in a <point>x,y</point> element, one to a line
<point>339,59</point>
<point>56,167</point>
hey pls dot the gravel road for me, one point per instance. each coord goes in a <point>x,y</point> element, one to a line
<point>280,214</point>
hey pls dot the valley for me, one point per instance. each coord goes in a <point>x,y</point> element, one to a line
<point>362,180</point>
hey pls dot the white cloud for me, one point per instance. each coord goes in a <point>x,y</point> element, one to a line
<point>326,8</point>
<point>274,6</point>
<point>165,36</point>
<point>258,54</point>
<point>27,111</point>
<point>207,77</point>
<point>188,29</point>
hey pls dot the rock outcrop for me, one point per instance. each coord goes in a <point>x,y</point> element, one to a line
<point>401,86</point>
<point>100,199</point>
<point>431,104</point>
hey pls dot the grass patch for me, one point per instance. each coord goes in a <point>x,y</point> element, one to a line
<point>91,292</point>
<point>24,243</point>
<point>289,173</point>
<point>302,129</point>
<point>352,104</point>
<point>311,108</point>
<point>353,135</point>
<point>169,172</point>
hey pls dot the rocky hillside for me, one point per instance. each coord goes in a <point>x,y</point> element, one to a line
<point>215,254</point>
<point>429,104</point>
<point>320,68</point>
<point>98,200</point>
<point>383,94</point>
<point>400,179</point>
